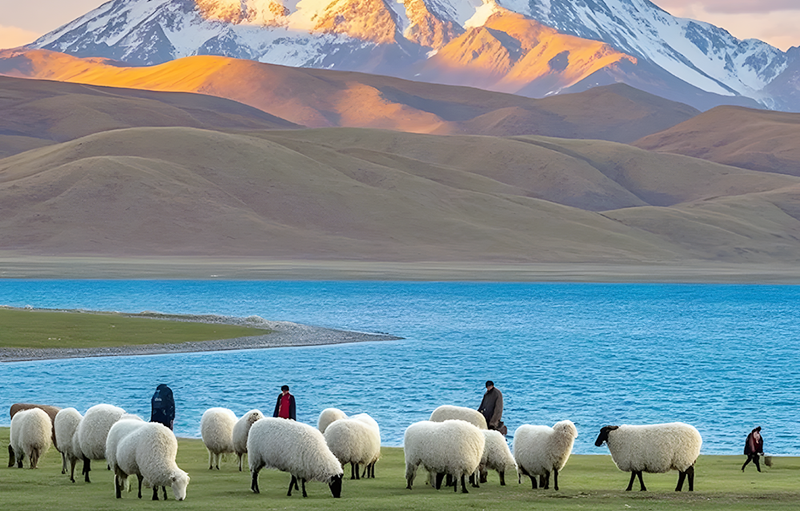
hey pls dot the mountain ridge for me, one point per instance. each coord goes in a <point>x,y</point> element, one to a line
<point>664,54</point>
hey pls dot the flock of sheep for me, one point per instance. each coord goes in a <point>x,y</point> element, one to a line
<point>454,443</point>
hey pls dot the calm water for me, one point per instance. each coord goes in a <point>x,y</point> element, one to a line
<point>721,357</point>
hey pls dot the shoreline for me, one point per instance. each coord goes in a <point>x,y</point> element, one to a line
<point>211,268</point>
<point>284,334</point>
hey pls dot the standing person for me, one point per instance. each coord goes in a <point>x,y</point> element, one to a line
<point>753,448</point>
<point>285,408</point>
<point>492,408</point>
<point>162,406</point>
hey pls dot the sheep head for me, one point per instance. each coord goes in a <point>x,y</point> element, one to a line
<point>603,436</point>
<point>336,485</point>
<point>179,481</point>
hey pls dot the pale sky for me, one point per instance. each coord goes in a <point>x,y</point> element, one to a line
<point>774,21</point>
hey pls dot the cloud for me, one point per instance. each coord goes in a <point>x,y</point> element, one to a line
<point>11,37</point>
<point>731,6</point>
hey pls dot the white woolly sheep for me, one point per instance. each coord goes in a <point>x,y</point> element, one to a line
<point>93,431</point>
<point>540,450</point>
<point>149,452</point>
<point>496,456</point>
<point>452,447</point>
<point>655,448</point>
<point>66,425</point>
<point>30,435</point>
<point>369,470</point>
<point>447,412</point>
<point>327,416</point>
<point>216,429</point>
<point>353,441</point>
<point>240,432</point>
<point>292,447</point>
<point>52,411</point>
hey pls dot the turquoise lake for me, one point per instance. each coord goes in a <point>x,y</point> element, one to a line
<point>721,357</point>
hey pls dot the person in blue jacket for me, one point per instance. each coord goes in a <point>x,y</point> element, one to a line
<point>162,406</point>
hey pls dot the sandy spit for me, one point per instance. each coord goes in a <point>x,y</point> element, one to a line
<point>283,334</point>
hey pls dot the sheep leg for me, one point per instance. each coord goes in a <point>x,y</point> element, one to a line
<point>63,463</point>
<point>303,483</point>
<point>34,459</point>
<point>502,478</point>
<point>546,477</point>
<point>117,487</point>
<point>140,478</point>
<point>357,472</point>
<point>164,491</point>
<point>254,479</point>
<point>12,458</point>
<point>439,479</point>
<point>291,486</point>
<point>641,482</point>
<point>240,461</point>
<point>690,473</point>
<point>295,485</point>
<point>543,483</point>
<point>155,492</point>
<point>72,463</point>
<point>473,480</point>
<point>533,482</point>
<point>555,479</point>
<point>411,473</point>
<point>630,484</point>
<point>463,484</point>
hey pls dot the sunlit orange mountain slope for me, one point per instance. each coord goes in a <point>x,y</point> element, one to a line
<point>321,98</point>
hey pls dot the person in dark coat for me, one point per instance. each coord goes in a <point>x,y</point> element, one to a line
<point>492,408</point>
<point>753,448</point>
<point>285,407</point>
<point>162,406</point>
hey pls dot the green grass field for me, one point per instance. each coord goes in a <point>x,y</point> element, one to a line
<point>50,329</point>
<point>587,483</point>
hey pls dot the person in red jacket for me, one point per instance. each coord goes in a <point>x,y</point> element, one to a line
<point>753,448</point>
<point>285,407</point>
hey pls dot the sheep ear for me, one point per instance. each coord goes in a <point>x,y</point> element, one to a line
<point>611,428</point>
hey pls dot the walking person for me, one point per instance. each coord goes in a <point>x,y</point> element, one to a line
<point>753,448</point>
<point>492,408</point>
<point>285,407</point>
<point>162,406</point>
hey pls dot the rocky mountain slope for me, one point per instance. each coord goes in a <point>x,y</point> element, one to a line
<point>531,47</point>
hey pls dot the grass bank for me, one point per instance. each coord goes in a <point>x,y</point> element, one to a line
<point>39,329</point>
<point>587,482</point>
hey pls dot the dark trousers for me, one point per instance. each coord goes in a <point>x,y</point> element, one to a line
<point>754,458</point>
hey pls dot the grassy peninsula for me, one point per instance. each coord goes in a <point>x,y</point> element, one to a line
<point>587,482</point>
<point>43,329</point>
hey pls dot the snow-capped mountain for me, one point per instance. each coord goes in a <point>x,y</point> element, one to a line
<point>493,44</point>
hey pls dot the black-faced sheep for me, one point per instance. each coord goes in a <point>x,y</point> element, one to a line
<point>295,448</point>
<point>655,448</point>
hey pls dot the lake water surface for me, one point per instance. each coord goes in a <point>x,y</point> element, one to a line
<point>721,357</point>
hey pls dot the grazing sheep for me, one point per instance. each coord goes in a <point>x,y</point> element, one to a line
<point>369,470</point>
<point>240,432</point>
<point>540,450</point>
<point>66,424</point>
<point>452,447</point>
<point>496,456</point>
<point>52,411</point>
<point>327,416</point>
<point>216,429</point>
<point>93,431</point>
<point>120,429</point>
<point>353,441</point>
<point>656,448</point>
<point>447,412</point>
<point>149,452</point>
<point>292,447</point>
<point>30,435</point>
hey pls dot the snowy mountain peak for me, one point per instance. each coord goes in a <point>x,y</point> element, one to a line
<point>666,55</point>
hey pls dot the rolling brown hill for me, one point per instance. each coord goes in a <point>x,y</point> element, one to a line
<point>322,98</point>
<point>38,112</point>
<point>371,195</point>
<point>751,139</point>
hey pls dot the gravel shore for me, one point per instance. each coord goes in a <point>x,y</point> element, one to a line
<point>282,334</point>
